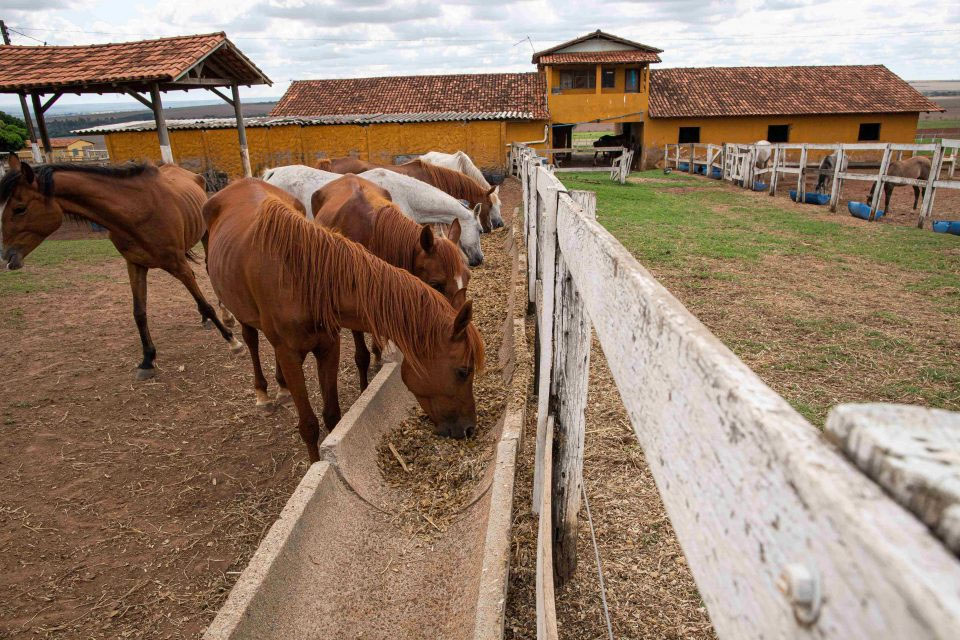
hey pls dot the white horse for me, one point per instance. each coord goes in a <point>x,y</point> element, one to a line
<point>461,162</point>
<point>420,201</point>
<point>764,150</point>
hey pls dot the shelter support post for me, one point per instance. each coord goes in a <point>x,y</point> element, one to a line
<point>42,126</point>
<point>241,131</point>
<point>166,153</point>
<point>31,132</point>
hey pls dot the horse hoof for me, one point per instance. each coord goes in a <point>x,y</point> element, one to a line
<point>207,324</point>
<point>283,398</point>
<point>267,407</point>
<point>236,346</point>
<point>146,374</point>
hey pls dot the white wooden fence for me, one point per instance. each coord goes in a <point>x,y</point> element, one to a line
<point>739,162</point>
<point>784,535</point>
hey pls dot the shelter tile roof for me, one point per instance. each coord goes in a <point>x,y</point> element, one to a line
<point>538,57</point>
<point>755,91</point>
<point>470,95</point>
<point>142,61</point>
<point>594,57</point>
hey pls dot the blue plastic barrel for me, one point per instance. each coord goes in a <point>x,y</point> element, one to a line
<point>684,166</point>
<point>947,226</point>
<point>717,173</point>
<point>862,210</point>
<point>759,186</point>
<point>811,197</point>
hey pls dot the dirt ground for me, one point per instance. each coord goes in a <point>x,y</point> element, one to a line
<point>127,509</point>
<point>650,591</point>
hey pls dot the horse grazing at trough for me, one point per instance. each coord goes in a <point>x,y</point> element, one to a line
<point>827,168</point>
<point>917,168</point>
<point>461,162</point>
<point>363,212</point>
<point>451,182</point>
<point>299,283</point>
<point>764,150</point>
<point>153,215</point>
<point>420,201</point>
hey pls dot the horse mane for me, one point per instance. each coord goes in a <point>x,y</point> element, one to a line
<point>324,269</point>
<point>324,164</point>
<point>457,184</point>
<point>395,237</point>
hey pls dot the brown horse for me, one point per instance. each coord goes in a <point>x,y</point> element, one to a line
<point>917,167</point>
<point>362,211</point>
<point>152,214</point>
<point>454,183</point>
<point>299,284</point>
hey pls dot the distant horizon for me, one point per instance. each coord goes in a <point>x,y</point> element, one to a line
<point>9,103</point>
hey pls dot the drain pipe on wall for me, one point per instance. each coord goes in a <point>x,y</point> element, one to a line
<point>546,134</point>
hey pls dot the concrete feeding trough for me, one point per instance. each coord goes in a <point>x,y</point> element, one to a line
<point>862,210</point>
<point>336,564</point>
<point>947,226</point>
<point>811,197</point>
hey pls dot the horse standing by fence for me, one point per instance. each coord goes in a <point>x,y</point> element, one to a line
<point>451,182</point>
<point>827,167</point>
<point>917,168</point>
<point>153,216</point>
<point>299,284</point>
<point>363,212</point>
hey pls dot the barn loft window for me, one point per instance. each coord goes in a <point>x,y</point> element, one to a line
<point>578,79</point>
<point>689,134</point>
<point>609,79</point>
<point>778,133</point>
<point>869,132</point>
<point>632,80</point>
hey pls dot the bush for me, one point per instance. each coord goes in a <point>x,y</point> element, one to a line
<point>13,133</point>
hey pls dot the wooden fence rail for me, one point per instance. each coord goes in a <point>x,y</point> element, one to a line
<point>785,537</point>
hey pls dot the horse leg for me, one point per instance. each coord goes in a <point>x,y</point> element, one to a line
<point>283,393</point>
<point>184,274</point>
<point>252,338</point>
<point>292,364</point>
<point>138,285</point>
<point>916,196</point>
<point>361,356</point>
<point>886,200</point>
<point>228,320</point>
<point>328,365</point>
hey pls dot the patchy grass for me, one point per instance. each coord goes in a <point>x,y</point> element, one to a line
<point>40,270</point>
<point>824,309</point>
<point>587,137</point>
<point>938,124</point>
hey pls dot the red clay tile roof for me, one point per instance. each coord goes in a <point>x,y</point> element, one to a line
<point>755,91</point>
<point>142,61</point>
<point>517,96</point>
<point>66,142</point>
<point>537,57</point>
<point>594,57</point>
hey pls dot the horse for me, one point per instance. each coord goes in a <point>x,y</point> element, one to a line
<point>461,162</point>
<point>916,167</point>
<point>152,214</point>
<point>363,212</point>
<point>827,168</point>
<point>420,201</point>
<point>451,182</point>
<point>299,283</point>
<point>764,150</point>
<point>608,140</point>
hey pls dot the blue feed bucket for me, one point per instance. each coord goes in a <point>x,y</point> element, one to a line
<point>759,186</point>
<point>862,210</point>
<point>947,226</point>
<point>684,166</point>
<point>717,173</point>
<point>811,197</point>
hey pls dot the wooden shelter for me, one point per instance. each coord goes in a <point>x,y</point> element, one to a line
<point>141,69</point>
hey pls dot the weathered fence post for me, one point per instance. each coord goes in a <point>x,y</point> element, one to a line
<point>572,337</point>
<point>930,192</point>
<point>802,175</point>
<point>546,605</point>
<point>875,201</point>
<point>773,171</point>
<point>835,187</point>
<point>545,320</point>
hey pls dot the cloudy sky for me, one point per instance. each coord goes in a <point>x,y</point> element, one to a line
<point>295,39</point>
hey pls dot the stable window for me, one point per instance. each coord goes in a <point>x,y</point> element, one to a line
<point>609,79</point>
<point>869,132</point>
<point>778,133</point>
<point>689,134</point>
<point>632,80</point>
<point>578,79</point>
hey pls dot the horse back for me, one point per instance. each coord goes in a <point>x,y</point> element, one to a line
<point>348,205</point>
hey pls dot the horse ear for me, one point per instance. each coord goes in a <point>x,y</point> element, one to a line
<point>489,193</point>
<point>459,298</point>
<point>464,315</point>
<point>454,233</point>
<point>316,201</point>
<point>426,238</point>
<point>14,162</point>
<point>476,210</point>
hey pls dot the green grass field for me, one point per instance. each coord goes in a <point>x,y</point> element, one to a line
<point>938,124</point>
<point>824,309</point>
<point>43,269</point>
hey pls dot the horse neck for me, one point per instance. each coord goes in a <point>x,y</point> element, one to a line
<point>395,236</point>
<point>110,202</point>
<point>467,168</point>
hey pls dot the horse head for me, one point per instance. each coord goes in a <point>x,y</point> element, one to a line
<point>443,384</point>
<point>28,213</point>
<point>439,263</point>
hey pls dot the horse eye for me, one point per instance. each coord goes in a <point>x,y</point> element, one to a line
<point>463,373</point>
<point>438,286</point>
<point>20,210</point>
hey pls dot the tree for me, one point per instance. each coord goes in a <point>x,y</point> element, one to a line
<point>13,133</point>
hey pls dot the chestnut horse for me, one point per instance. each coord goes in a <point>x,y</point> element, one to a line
<point>917,167</point>
<point>152,214</point>
<point>363,212</point>
<point>454,183</point>
<point>299,283</point>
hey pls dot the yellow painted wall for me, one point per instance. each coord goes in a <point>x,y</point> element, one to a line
<point>583,105</point>
<point>894,127</point>
<point>484,141</point>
